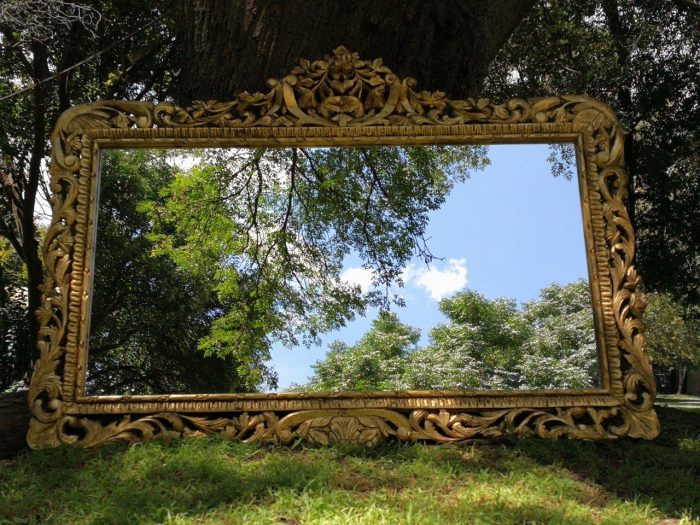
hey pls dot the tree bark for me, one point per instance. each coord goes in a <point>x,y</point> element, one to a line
<point>621,39</point>
<point>14,422</point>
<point>681,371</point>
<point>35,273</point>
<point>229,47</point>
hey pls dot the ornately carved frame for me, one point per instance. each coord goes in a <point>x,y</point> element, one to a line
<point>341,100</point>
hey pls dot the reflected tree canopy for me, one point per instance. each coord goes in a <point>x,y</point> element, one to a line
<point>205,258</point>
<point>486,344</point>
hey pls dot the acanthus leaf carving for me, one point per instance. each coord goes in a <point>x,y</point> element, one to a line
<point>341,91</point>
<point>361,426</point>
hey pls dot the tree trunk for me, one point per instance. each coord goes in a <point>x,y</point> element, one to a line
<point>229,47</point>
<point>35,274</point>
<point>681,370</point>
<point>14,422</point>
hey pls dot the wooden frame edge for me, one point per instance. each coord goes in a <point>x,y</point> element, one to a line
<point>308,98</point>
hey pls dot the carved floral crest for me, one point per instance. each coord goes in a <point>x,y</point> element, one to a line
<point>341,91</point>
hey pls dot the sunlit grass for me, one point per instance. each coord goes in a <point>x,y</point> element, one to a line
<point>685,402</point>
<point>215,481</point>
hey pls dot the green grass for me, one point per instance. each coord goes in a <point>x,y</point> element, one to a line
<point>214,481</point>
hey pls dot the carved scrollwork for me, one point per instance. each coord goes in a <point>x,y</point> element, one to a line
<point>342,91</point>
<point>358,426</point>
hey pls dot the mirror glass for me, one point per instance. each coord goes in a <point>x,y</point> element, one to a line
<point>440,267</point>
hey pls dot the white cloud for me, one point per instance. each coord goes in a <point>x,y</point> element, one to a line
<point>359,276</point>
<point>437,282</point>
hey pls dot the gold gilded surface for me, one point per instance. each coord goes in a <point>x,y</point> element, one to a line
<point>340,100</point>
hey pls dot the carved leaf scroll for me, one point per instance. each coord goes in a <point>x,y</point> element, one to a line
<point>340,91</point>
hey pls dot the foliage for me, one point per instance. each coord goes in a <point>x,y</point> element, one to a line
<point>670,338</point>
<point>486,344</point>
<point>13,321</point>
<point>477,348</point>
<point>148,313</point>
<point>208,481</point>
<point>673,337</point>
<point>376,362</point>
<point>40,38</point>
<point>563,339</point>
<point>268,229</point>
<point>549,343</point>
<point>642,58</point>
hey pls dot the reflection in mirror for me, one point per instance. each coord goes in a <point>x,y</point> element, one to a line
<point>382,268</point>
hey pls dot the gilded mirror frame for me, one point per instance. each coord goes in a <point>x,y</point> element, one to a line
<point>340,100</point>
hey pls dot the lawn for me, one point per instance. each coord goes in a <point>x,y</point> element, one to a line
<point>679,401</point>
<point>214,481</point>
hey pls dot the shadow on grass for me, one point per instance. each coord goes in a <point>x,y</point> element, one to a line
<point>148,483</point>
<point>664,472</point>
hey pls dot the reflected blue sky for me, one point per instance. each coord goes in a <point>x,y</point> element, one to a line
<point>508,231</point>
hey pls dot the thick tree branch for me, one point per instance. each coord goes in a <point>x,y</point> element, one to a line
<point>69,57</point>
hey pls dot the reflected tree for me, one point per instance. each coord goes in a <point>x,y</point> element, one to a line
<point>245,248</point>
<point>376,362</point>
<point>486,344</point>
<point>147,312</point>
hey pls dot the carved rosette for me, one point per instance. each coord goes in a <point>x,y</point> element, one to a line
<point>339,91</point>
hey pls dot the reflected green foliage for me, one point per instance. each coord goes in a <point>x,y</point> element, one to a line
<point>147,312</point>
<point>245,247</point>
<point>486,344</point>
<point>478,347</point>
<point>562,160</point>
<point>376,362</point>
<point>562,350</point>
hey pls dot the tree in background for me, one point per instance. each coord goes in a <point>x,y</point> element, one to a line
<point>673,339</point>
<point>127,50</point>
<point>376,362</point>
<point>13,315</point>
<point>642,58</point>
<point>40,38</point>
<point>486,344</point>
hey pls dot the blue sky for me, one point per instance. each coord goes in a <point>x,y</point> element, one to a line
<point>508,231</point>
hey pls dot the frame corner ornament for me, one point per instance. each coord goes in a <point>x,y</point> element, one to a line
<point>340,95</point>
